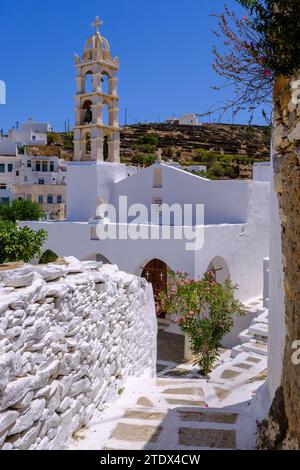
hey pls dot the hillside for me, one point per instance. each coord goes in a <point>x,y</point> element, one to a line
<point>253,141</point>
<point>228,151</point>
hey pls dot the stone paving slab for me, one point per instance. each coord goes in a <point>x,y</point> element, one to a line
<point>230,374</point>
<point>140,414</point>
<point>184,402</point>
<point>134,432</point>
<point>143,401</point>
<point>212,438</point>
<point>208,417</point>
<point>184,391</point>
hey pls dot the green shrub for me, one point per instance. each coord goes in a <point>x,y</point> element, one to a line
<point>148,139</point>
<point>19,244</point>
<point>205,312</point>
<point>20,210</point>
<point>48,257</point>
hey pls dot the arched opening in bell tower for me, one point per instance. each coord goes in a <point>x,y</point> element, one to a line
<point>105,115</point>
<point>105,78</point>
<point>105,147</point>
<point>88,82</point>
<point>87,112</point>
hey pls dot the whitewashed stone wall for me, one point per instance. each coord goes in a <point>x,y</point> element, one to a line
<point>69,337</point>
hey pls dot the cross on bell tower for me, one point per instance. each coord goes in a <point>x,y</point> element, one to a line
<point>97,23</point>
<point>96,130</point>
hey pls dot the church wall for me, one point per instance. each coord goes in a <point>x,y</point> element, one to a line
<point>225,201</point>
<point>87,184</point>
<point>70,336</point>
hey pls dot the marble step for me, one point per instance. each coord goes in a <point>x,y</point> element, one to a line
<point>235,351</point>
<point>259,329</point>
<point>262,318</point>
<point>257,347</point>
<point>245,336</point>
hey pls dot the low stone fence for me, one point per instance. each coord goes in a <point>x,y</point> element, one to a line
<point>70,334</point>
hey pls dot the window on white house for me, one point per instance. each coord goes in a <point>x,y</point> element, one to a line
<point>38,166</point>
<point>157,203</point>
<point>10,167</point>
<point>59,199</point>
<point>157,178</point>
<point>45,166</point>
<point>41,181</point>
<point>41,199</point>
<point>2,168</point>
<point>49,199</point>
<point>2,186</point>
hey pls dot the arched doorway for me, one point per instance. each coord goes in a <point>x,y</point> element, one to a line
<point>219,266</point>
<point>156,273</point>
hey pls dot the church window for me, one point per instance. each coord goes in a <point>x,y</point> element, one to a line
<point>157,178</point>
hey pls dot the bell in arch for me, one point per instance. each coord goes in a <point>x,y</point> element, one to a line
<point>88,115</point>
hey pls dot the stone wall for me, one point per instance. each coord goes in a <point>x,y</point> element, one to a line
<point>282,427</point>
<point>70,334</point>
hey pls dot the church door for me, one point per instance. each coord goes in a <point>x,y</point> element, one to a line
<point>156,273</point>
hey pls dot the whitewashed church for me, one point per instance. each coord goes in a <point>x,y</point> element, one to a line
<point>234,228</point>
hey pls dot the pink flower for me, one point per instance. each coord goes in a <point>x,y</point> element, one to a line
<point>266,73</point>
<point>245,18</point>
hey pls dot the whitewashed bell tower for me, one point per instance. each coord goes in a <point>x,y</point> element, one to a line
<point>96,165</point>
<point>96,138</point>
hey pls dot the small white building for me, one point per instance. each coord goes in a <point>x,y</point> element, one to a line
<point>10,165</point>
<point>30,133</point>
<point>39,179</point>
<point>185,120</point>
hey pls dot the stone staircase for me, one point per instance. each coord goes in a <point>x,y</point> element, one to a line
<point>255,338</point>
<point>181,410</point>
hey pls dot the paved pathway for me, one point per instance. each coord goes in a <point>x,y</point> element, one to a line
<point>180,410</point>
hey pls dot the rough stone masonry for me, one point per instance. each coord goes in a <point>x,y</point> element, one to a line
<point>281,430</point>
<point>70,334</point>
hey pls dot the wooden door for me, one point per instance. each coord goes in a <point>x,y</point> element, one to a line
<point>156,273</point>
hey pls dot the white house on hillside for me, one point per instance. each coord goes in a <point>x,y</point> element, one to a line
<point>30,133</point>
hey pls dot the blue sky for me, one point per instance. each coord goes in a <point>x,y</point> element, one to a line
<point>164,48</point>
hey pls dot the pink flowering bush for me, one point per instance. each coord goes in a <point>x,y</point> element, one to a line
<point>205,312</point>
